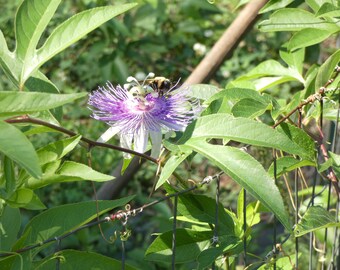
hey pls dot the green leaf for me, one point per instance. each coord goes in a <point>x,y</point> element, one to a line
<point>249,108</point>
<point>170,166</point>
<point>294,19</point>
<point>247,172</point>
<point>307,37</point>
<point>288,164</point>
<point>202,91</point>
<point>57,150</point>
<point>275,4</point>
<point>62,219</point>
<point>328,10</point>
<point>239,94</point>
<point>30,21</point>
<point>327,69</point>
<point>70,171</point>
<point>17,103</point>
<point>299,137</point>
<point>20,198</point>
<point>17,147</point>
<point>189,245</point>
<point>10,221</point>
<point>315,218</point>
<point>294,59</point>
<point>80,260</point>
<point>71,31</point>
<point>272,68</point>
<point>202,209</point>
<point>9,174</point>
<point>225,126</point>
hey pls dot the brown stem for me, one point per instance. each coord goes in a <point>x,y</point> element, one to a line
<point>331,175</point>
<point>227,42</point>
<point>91,143</point>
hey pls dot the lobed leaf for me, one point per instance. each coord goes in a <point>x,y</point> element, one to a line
<point>31,20</point>
<point>71,31</point>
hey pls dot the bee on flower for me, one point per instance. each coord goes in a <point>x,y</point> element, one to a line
<point>139,111</point>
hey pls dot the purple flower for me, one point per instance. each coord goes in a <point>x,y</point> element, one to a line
<point>137,111</point>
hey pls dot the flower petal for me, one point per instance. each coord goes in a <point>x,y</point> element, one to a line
<point>126,142</point>
<point>141,139</point>
<point>156,139</point>
<point>108,134</point>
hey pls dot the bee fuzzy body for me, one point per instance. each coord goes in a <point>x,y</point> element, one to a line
<point>160,84</point>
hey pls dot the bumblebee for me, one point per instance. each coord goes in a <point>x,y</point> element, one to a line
<point>159,84</point>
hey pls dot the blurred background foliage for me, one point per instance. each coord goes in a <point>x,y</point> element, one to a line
<point>169,38</point>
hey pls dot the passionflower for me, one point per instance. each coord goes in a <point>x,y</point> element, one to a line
<point>138,111</point>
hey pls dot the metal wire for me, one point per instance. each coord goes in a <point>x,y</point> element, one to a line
<point>274,221</point>
<point>244,227</point>
<point>217,201</point>
<point>174,227</point>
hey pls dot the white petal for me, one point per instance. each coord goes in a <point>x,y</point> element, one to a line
<point>108,134</point>
<point>156,139</point>
<point>126,142</point>
<point>141,140</point>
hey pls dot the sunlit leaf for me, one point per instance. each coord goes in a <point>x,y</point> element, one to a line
<point>69,171</point>
<point>17,103</point>
<point>11,141</point>
<point>71,31</point>
<point>294,19</point>
<point>30,21</point>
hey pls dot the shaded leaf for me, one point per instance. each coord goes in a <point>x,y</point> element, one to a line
<point>314,219</point>
<point>247,172</point>
<point>202,209</point>
<point>288,164</point>
<point>189,244</point>
<point>80,260</point>
<point>10,221</point>
<point>62,219</point>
